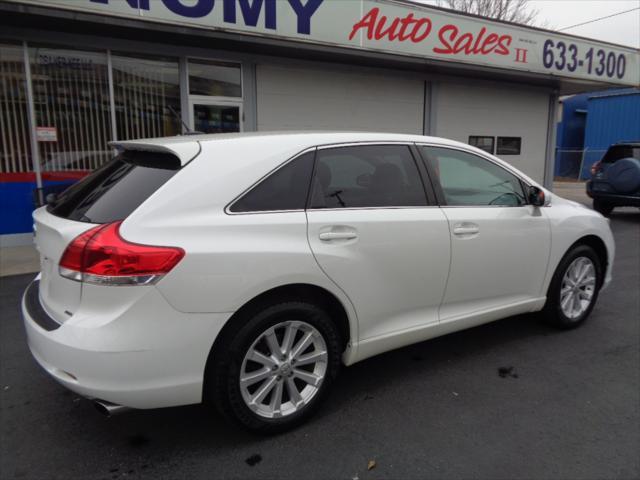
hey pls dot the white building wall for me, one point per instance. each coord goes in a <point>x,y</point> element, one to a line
<point>310,98</point>
<point>293,98</point>
<point>466,107</point>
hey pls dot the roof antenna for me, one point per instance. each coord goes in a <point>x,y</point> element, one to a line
<point>187,130</point>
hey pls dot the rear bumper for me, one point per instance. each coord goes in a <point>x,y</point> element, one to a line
<point>34,309</point>
<point>612,198</point>
<point>147,356</point>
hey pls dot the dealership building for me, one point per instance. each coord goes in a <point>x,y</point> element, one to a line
<point>77,74</point>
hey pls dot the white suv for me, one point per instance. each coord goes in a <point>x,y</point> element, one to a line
<point>244,269</point>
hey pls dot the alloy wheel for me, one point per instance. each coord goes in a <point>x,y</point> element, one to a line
<point>578,287</point>
<point>283,369</point>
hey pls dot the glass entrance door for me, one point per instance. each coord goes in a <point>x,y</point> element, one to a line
<point>211,117</point>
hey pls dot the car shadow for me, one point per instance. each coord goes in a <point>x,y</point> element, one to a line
<point>626,215</point>
<point>421,359</point>
<point>200,427</point>
<point>154,442</point>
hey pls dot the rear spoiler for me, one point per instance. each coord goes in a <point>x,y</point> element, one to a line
<point>185,151</point>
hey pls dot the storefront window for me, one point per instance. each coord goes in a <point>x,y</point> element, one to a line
<point>72,110</point>
<point>79,106</point>
<point>147,96</point>
<point>74,120</point>
<point>15,146</point>
<point>216,118</point>
<point>214,79</point>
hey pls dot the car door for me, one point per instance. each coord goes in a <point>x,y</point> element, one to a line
<point>375,234</point>
<point>499,243</point>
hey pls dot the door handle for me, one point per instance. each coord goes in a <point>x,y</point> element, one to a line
<point>466,228</point>
<point>328,236</point>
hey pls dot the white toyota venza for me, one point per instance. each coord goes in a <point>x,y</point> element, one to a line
<point>243,270</point>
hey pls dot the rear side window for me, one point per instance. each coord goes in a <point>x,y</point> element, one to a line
<point>367,176</point>
<point>617,152</point>
<point>285,189</point>
<point>113,191</point>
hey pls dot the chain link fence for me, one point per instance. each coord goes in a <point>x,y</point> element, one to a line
<point>575,165</point>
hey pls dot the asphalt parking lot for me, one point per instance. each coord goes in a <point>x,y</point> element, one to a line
<point>565,405</point>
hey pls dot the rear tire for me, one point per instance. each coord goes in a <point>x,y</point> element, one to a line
<point>269,345</point>
<point>574,288</point>
<point>602,207</point>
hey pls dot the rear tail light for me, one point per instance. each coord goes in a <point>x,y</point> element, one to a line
<point>101,256</point>
<point>595,168</point>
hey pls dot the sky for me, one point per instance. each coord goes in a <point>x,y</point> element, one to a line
<point>622,29</point>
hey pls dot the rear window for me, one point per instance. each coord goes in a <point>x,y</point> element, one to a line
<point>617,152</point>
<point>113,191</point>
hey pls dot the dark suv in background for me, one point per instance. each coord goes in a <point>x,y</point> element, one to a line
<point>615,180</point>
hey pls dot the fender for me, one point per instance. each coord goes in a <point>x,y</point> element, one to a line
<point>571,221</point>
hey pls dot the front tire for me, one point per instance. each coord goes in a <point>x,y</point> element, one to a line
<point>277,367</point>
<point>574,288</point>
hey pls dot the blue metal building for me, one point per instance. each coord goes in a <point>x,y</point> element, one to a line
<point>590,123</point>
<point>570,136</point>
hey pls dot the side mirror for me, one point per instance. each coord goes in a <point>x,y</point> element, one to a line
<point>536,196</point>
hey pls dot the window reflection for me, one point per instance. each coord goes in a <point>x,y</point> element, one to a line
<point>146,90</point>
<point>72,108</point>
<point>15,146</point>
<point>217,79</point>
<point>216,118</point>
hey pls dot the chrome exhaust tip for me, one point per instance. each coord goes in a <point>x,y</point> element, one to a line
<point>109,409</point>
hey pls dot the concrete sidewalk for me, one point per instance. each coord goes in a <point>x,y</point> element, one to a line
<point>575,191</point>
<point>25,259</point>
<point>18,260</point>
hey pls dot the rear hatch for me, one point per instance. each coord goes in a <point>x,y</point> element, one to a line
<point>109,194</point>
<point>608,179</point>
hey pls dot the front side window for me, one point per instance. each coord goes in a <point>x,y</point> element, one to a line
<point>285,189</point>
<point>469,180</point>
<point>367,176</point>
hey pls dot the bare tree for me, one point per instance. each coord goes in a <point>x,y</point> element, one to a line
<point>517,11</point>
